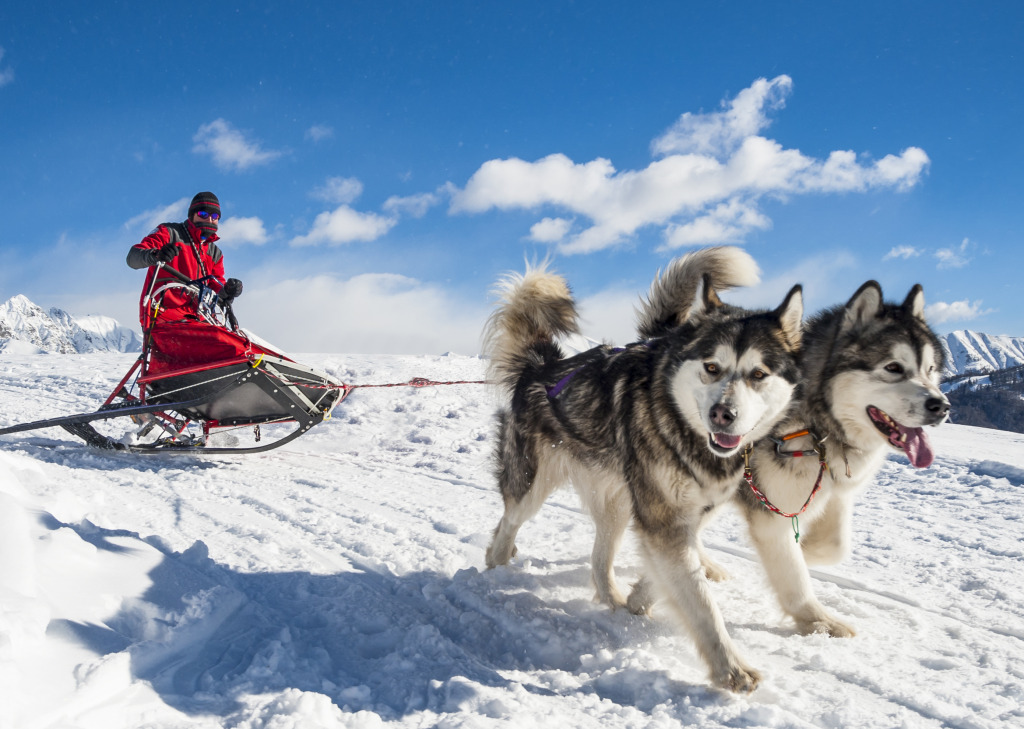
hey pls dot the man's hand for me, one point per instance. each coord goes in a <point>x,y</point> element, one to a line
<point>165,254</point>
<point>232,290</point>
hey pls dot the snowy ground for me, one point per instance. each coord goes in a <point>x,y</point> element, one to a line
<point>338,582</point>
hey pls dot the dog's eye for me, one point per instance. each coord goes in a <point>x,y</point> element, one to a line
<point>894,368</point>
<point>711,368</point>
<point>758,374</point>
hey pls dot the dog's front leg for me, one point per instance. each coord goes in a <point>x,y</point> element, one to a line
<point>674,567</point>
<point>787,572</point>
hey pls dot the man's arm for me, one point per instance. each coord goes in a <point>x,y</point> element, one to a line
<point>146,253</point>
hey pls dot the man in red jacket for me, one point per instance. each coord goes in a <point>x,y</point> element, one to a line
<point>189,247</point>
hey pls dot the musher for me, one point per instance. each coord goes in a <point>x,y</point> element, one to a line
<point>189,247</point>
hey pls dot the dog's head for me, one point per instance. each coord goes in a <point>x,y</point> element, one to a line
<point>883,379</point>
<point>738,371</point>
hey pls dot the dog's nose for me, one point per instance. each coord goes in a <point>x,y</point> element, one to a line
<point>937,406</point>
<point>722,415</point>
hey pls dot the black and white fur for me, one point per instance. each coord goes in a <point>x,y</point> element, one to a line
<point>869,382</point>
<point>652,434</point>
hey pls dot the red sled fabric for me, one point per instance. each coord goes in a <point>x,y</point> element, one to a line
<point>186,344</point>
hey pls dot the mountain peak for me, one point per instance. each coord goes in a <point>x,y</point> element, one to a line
<point>56,331</point>
<point>970,352</point>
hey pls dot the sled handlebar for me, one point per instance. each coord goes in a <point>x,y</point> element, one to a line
<point>176,274</point>
<point>199,286</point>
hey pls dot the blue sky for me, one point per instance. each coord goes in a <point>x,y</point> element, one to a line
<point>381,163</point>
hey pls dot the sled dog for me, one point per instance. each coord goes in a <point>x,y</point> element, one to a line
<point>654,432</point>
<point>868,384</point>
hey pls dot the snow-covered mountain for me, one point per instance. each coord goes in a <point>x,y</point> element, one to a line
<point>970,352</point>
<point>26,327</point>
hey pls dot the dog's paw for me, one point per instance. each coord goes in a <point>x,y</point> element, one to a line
<point>714,571</point>
<point>640,598</point>
<point>826,625</point>
<point>739,679</point>
<point>612,598</point>
<point>496,557</point>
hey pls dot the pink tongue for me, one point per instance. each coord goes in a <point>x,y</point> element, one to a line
<point>727,441</point>
<point>917,447</point>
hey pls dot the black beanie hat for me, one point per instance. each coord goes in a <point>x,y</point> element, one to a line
<point>204,201</point>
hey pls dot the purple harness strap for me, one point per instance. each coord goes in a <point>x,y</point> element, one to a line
<point>557,388</point>
<point>560,385</point>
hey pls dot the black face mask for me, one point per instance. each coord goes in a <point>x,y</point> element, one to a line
<point>207,227</point>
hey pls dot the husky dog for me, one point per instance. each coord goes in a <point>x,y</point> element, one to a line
<point>654,432</point>
<point>868,383</point>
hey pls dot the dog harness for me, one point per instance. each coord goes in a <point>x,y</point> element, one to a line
<point>556,389</point>
<point>817,449</point>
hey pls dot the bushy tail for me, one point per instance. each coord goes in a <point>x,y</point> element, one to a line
<point>535,309</point>
<point>675,290</point>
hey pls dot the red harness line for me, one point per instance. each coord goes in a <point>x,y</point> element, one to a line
<point>416,382</point>
<point>748,476</point>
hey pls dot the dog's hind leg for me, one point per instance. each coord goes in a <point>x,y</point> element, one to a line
<point>674,567</point>
<point>524,492</point>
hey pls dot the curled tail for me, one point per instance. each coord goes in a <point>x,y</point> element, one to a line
<point>535,308</point>
<point>673,297</point>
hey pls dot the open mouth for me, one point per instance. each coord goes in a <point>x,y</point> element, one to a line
<point>723,443</point>
<point>912,441</point>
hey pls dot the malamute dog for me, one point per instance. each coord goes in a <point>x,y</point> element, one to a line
<point>654,432</point>
<point>868,383</point>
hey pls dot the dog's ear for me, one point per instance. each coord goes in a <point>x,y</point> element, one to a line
<point>914,303</point>
<point>790,314</point>
<point>865,305</point>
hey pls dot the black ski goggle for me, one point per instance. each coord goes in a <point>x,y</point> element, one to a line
<point>205,214</point>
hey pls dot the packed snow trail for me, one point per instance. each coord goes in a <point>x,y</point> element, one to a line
<point>339,581</point>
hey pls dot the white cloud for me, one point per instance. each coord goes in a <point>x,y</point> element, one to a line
<point>904,252</point>
<point>147,220</point>
<point>705,188</point>
<point>6,74</point>
<point>729,222</point>
<point>954,257</point>
<point>345,225</point>
<point>941,311</point>
<point>610,315</point>
<point>319,132</point>
<point>229,147</point>
<point>414,205</point>
<point>339,190</point>
<point>396,315</point>
<point>550,230</point>
<point>743,117</point>
<point>237,231</point>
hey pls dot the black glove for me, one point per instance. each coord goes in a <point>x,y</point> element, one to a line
<point>232,290</point>
<point>165,254</point>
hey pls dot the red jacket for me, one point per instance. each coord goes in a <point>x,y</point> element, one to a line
<point>196,258</point>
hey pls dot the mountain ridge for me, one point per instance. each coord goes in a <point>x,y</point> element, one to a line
<point>26,327</point>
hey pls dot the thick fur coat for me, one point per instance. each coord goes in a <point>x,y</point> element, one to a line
<point>653,433</point>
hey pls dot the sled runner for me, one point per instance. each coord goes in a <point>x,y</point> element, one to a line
<point>200,377</point>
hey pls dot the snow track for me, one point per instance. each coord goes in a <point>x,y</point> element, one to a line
<point>339,582</point>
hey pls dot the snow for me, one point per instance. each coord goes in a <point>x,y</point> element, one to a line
<point>339,582</point>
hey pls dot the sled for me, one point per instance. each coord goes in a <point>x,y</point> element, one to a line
<point>202,377</point>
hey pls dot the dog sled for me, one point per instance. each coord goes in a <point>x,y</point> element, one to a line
<point>204,384</point>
